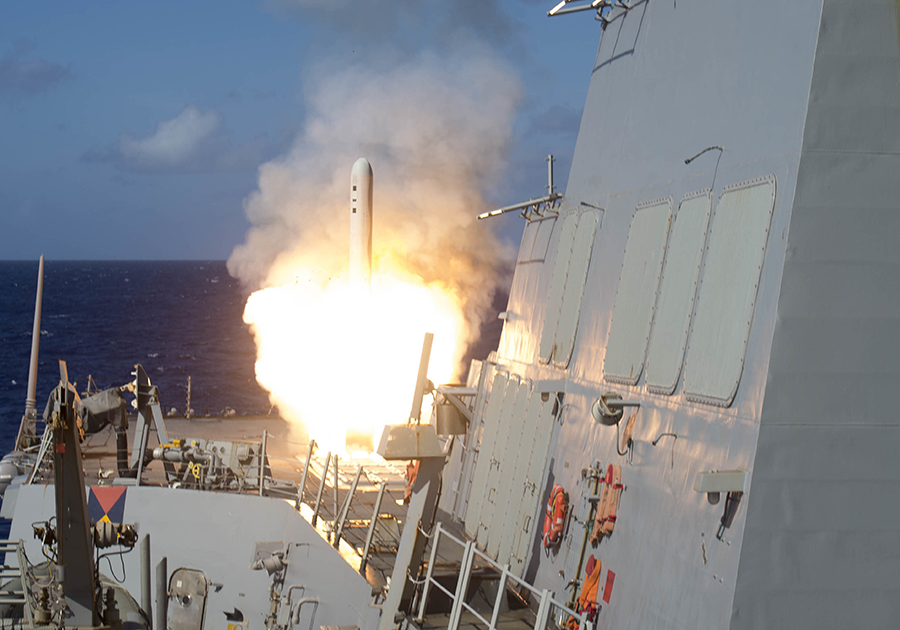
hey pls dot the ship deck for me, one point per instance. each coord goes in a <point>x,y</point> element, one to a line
<point>287,449</point>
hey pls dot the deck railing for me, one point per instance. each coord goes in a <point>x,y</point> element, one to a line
<point>547,604</point>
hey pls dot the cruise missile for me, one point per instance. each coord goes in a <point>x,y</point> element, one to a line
<point>361,222</point>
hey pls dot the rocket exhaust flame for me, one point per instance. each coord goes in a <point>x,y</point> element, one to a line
<point>338,358</point>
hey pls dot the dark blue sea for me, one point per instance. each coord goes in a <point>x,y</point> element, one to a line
<point>177,319</point>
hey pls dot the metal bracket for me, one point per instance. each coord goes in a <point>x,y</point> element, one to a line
<point>541,206</point>
<point>609,408</point>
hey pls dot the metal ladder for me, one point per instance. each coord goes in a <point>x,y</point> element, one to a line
<point>9,572</point>
<point>42,454</point>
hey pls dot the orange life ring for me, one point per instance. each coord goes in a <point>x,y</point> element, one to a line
<point>555,519</point>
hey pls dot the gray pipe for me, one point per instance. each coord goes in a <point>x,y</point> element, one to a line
<point>162,593</point>
<point>262,464</point>
<point>177,455</point>
<point>146,599</point>
<point>290,597</point>
<point>595,473</point>
<point>295,614</point>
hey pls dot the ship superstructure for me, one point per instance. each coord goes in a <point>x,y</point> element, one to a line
<point>689,421</point>
<point>724,262</point>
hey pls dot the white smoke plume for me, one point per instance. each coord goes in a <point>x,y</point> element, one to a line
<point>436,130</point>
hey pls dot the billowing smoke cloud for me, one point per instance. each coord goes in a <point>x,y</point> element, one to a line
<point>436,130</point>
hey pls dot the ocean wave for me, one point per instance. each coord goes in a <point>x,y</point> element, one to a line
<point>108,333</point>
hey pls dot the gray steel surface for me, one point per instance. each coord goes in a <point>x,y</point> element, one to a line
<point>822,541</point>
<point>686,97</point>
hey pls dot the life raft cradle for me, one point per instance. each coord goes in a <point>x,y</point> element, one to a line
<point>608,503</point>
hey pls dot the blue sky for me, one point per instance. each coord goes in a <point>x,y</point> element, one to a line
<point>134,130</point>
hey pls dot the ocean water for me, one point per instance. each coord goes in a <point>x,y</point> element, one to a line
<point>177,319</point>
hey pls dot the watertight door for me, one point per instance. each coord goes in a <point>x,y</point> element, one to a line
<point>506,470</point>
<point>530,519</point>
<point>488,436</point>
<point>499,448</point>
<point>513,519</point>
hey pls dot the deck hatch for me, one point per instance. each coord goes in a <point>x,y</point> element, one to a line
<point>637,291</point>
<point>678,287</point>
<point>727,295</point>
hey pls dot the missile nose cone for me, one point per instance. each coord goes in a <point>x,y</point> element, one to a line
<point>361,167</point>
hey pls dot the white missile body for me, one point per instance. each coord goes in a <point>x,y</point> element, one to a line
<point>361,222</point>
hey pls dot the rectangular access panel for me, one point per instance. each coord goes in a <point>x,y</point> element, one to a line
<point>727,293</point>
<point>681,273</point>
<point>536,240</point>
<point>557,287</point>
<point>636,293</point>
<point>574,289</point>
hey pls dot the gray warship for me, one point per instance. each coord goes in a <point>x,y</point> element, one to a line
<point>657,440</point>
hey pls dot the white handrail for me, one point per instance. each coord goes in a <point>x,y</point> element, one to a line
<point>545,598</point>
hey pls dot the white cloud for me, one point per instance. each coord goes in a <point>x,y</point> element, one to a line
<point>28,76</point>
<point>175,142</point>
<point>193,142</point>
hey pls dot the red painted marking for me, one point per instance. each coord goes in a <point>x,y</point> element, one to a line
<point>61,448</point>
<point>607,592</point>
<point>107,495</point>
